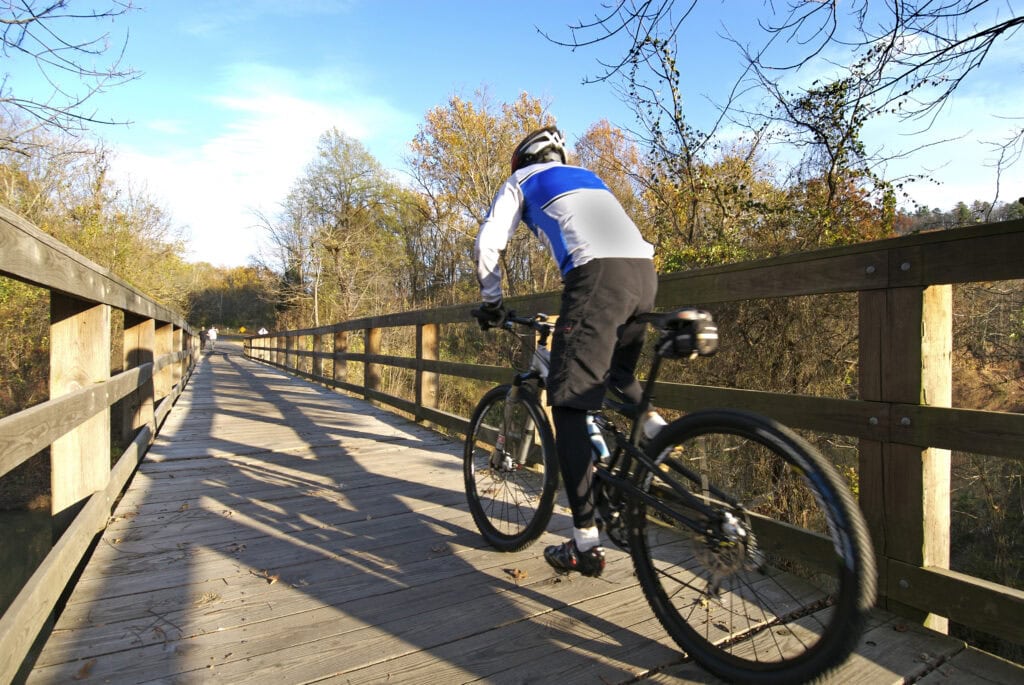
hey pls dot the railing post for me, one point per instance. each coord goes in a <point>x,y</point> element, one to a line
<point>317,369</point>
<point>905,359</point>
<point>308,344</point>
<point>164,344</point>
<point>340,363</point>
<point>289,357</point>
<point>371,372</point>
<point>426,381</point>
<point>177,345</point>
<point>79,358</point>
<point>138,351</point>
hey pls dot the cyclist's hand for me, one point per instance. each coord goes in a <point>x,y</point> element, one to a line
<point>490,315</point>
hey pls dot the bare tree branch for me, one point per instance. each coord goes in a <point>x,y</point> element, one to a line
<point>639,21</point>
<point>898,58</point>
<point>1008,151</point>
<point>910,47</point>
<point>911,57</point>
<point>45,36</point>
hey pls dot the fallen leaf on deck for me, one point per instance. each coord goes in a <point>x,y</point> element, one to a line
<point>264,573</point>
<point>517,574</point>
<point>85,670</point>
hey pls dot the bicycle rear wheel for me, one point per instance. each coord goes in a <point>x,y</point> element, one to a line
<point>775,585</point>
<point>510,468</point>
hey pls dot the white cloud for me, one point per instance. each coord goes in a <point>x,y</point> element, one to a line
<point>166,126</point>
<point>273,122</point>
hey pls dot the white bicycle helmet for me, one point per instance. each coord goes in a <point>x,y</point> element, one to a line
<point>543,145</point>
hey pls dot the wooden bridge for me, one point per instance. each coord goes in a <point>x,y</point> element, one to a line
<point>258,526</point>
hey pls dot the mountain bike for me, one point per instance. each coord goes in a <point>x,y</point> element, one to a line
<point>747,543</point>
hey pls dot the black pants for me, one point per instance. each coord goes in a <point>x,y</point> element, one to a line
<point>596,343</point>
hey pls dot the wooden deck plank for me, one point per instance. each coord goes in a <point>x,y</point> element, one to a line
<point>437,622</point>
<point>281,533</point>
<point>973,667</point>
<point>300,560</point>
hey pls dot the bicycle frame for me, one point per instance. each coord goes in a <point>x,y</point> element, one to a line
<point>629,450</point>
<point>703,559</point>
<point>631,485</point>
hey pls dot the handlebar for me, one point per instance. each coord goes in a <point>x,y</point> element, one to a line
<point>538,322</point>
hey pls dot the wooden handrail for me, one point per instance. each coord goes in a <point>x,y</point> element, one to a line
<point>902,285</point>
<point>160,352</point>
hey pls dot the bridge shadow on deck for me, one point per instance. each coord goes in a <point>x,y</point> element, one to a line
<point>281,532</point>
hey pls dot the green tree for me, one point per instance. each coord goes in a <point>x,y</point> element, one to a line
<point>460,157</point>
<point>66,191</point>
<point>614,156</point>
<point>335,238</point>
<point>232,298</point>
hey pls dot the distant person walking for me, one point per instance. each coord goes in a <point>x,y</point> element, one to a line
<point>212,335</point>
<point>203,335</point>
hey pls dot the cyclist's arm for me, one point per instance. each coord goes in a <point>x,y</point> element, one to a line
<point>496,230</point>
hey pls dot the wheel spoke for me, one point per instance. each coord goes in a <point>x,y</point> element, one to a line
<point>731,594</point>
<point>509,469</point>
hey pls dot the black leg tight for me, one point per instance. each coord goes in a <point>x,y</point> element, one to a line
<point>575,461</point>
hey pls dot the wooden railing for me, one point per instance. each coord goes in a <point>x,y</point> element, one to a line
<point>902,418</point>
<point>76,423</point>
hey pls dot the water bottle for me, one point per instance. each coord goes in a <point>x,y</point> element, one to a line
<point>597,440</point>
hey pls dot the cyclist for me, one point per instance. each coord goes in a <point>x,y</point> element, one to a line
<point>608,279</point>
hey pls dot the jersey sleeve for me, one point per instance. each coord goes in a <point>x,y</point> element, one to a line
<point>495,231</point>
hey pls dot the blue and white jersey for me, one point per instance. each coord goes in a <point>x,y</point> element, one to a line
<point>569,208</point>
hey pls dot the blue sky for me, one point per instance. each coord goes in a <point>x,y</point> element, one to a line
<point>235,93</point>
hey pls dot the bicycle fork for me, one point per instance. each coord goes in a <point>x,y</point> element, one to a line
<point>513,442</point>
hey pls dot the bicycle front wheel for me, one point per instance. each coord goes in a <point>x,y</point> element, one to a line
<point>770,581</point>
<point>510,468</point>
